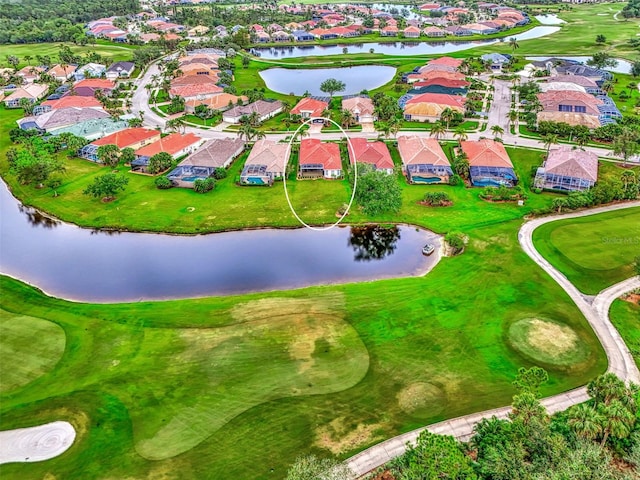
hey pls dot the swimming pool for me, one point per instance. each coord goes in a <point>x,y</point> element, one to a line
<point>192,178</point>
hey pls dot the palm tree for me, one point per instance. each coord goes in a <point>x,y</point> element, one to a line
<point>460,133</point>
<point>627,177</point>
<point>497,130</point>
<point>513,42</point>
<point>437,130</point>
<point>446,116</point>
<point>549,139</point>
<point>395,124</point>
<point>618,421</point>
<point>607,86</point>
<point>346,118</point>
<point>28,58</point>
<point>585,421</point>
<point>176,124</point>
<point>254,119</point>
<point>582,138</point>
<point>384,128</point>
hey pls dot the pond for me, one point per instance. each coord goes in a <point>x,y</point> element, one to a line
<point>623,66</point>
<point>549,19</point>
<point>95,266</point>
<point>395,48</point>
<point>356,79</point>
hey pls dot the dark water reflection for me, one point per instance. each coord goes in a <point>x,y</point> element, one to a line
<point>97,266</point>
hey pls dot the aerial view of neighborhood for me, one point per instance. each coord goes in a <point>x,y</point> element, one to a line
<point>319,240</point>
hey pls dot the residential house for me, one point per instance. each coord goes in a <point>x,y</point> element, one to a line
<point>175,144</point>
<point>434,32</point>
<point>129,138</point>
<point>67,102</point>
<point>567,169</point>
<point>302,36</point>
<point>62,73</point>
<point>90,86</point>
<point>202,163</point>
<point>200,91</point>
<point>481,29</point>
<point>262,37</point>
<point>458,30</point>
<point>318,159</point>
<point>265,110</point>
<point>440,85</point>
<point>572,107</point>
<point>361,108</point>
<point>266,163</point>
<point>280,36</point>
<point>389,31</point>
<point>62,118</point>
<point>429,106</point>
<point>90,70</point>
<point>323,34</point>
<point>198,31</point>
<point>32,92</point>
<point>310,107</point>
<point>120,70</point>
<point>411,32</point>
<point>30,74</point>
<point>220,101</point>
<point>423,160</point>
<point>489,163</point>
<point>375,154</point>
<point>587,83</point>
<point>495,60</point>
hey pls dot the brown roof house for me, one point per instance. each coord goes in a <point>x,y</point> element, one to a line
<point>572,107</point>
<point>265,110</point>
<point>489,164</point>
<point>375,154</point>
<point>429,106</point>
<point>361,108</point>
<point>266,163</point>
<point>568,169</point>
<point>32,92</point>
<point>201,164</point>
<point>318,159</point>
<point>423,160</point>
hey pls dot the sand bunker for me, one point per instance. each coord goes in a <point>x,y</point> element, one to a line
<point>35,444</point>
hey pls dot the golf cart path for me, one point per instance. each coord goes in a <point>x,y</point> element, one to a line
<point>597,314</point>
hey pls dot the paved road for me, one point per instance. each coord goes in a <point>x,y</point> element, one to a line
<point>500,106</point>
<point>597,314</point>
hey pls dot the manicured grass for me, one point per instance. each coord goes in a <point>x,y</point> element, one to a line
<point>108,50</point>
<point>625,316</point>
<point>308,370</point>
<point>593,252</point>
<point>29,348</point>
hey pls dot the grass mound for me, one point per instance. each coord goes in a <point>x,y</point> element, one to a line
<point>29,348</point>
<point>421,399</point>
<point>280,347</point>
<point>547,342</point>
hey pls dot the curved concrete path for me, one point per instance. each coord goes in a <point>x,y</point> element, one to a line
<point>595,310</point>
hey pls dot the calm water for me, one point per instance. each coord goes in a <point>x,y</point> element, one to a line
<point>549,19</point>
<point>85,265</point>
<point>395,48</point>
<point>623,66</point>
<point>356,79</point>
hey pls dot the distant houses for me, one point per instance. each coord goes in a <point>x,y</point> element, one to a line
<point>32,93</point>
<point>175,144</point>
<point>262,108</point>
<point>361,108</point>
<point>429,106</point>
<point>489,164</point>
<point>567,169</point>
<point>129,138</point>
<point>310,107</point>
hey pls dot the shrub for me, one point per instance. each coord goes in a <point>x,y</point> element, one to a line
<point>455,180</point>
<point>163,183</point>
<point>437,199</point>
<point>537,190</point>
<point>455,240</point>
<point>220,173</point>
<point>204,186</point>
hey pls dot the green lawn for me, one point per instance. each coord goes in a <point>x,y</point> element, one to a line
<point>593,252</point>
<point>625,316</point>
<point>111,51</point>
<point>238,387</point>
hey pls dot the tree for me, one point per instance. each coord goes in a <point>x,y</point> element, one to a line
<point>176,124</point>
<point>34,166</point>
<point>106,186</point>
<point>460,133</point>
<point>163,183</point>
<point>134,122</point>
<point>245,61</point>
<point>455,240</point>
<point>513,117</point>
<point>204,186</point>
<point>311,467</point>
<point>377,192</point>
<point>109,155</point>
<point>249,133</point>
<point>446,116</point>
<point>331,86</point>
<point>549,139</point>
<point>530,380</point>
<point>26,105</point>
<point>626,144</point>
<point>176,105</point>
<point>617,421</point>
<point>585,421</point>
<point>558,204</point>
<point>346,118</point>
<point>434,457</point>
<point>437,130</point>
<point>635,68</point>
<point>600,39</point>
<point>513,42</point>
<point>127,155</point>
<point>13,61</point>
<point>602,60</point>
<point>159,163</point>
<point>497,130</point>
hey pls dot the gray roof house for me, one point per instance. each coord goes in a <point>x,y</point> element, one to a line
<point>54,120</point>
<point>265,110</point>
<point>120,70</point>
<point>568,169</point>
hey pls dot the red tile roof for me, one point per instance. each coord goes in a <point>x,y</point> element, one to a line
<point>373,153</point>
<point>73,101</point>
<point>308,104</point>
<point>313,151</point>
<point>486,153</point>
<point>448,61</point>
<point>96,83</point>
<point>125,138</point>
<point>416,150</point>
<point>439,98</point>
<point>186,91</point>
<point>170,144</point>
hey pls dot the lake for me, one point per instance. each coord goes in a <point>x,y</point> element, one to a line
<point>95,266</point>
<point>549,19</point>
<point>356,79</point>
<point>395,48</point>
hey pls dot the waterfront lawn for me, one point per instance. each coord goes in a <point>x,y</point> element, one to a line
<point>593,252</point>
<point>625,316</point>
<point>111,51</point>
<point>196,384</point>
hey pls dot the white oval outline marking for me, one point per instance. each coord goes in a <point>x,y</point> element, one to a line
<point>355,173</point>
